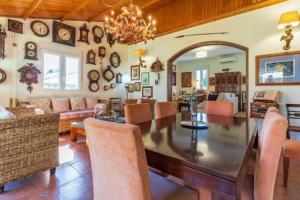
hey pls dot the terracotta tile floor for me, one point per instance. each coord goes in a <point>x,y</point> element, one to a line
<point>73,179</point>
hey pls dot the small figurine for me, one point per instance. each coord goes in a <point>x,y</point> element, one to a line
<point>288,37</point>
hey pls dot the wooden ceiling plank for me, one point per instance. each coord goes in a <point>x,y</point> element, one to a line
<point>75,9</point>
<point>31,9</point>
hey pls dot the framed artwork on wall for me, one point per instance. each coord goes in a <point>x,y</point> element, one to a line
<point>212,81</point>
<point>135,72</point>
<point>278,69</point>
<point>130,87</point>
<point>145,78</point>
<point>147,91</point>
<point>186,79</point>
<point>137,86</point>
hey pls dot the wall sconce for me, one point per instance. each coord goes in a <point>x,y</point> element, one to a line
<point>139,53</point>
<point>287,21</point>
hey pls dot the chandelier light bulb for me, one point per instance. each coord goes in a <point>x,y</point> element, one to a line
<point>149,17</point>
<point>106,18</point>
<point>112,13</point>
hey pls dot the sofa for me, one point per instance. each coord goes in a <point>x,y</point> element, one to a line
<point>70,109</point>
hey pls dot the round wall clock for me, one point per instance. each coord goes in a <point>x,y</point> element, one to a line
<point>101,52</point>
<point>105,87</point>
<point>108,74</point>
<point>115,59</point>
<point>93,75</point>
<point>94,87</point>
<point>39,28</point>
<point>2,76</point>
<point>98,34</point>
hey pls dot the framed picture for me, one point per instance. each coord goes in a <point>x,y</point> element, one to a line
<point>173,68</point>
<point>147,91</point>
<point>244,80</point>
<point>137,86</point>
<point>145,78</point>
<point>174,78</point>
<point>186,79</point>
<point>212,81</point>
<point>135,73</point>
<point>278,69</point>
<point>130,87</point>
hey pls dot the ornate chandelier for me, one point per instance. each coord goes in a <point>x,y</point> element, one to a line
<point>129,26</point>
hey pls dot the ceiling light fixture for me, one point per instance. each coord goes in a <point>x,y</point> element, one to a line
<point>201,54</point>
<point>129,26</point>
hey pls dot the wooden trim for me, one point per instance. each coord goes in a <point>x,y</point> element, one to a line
<point>75,9</point>
<point>201,44</point>
<point>257,83</point>
<point>31,9</point>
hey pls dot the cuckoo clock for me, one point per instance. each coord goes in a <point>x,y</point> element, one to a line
<point>84,34</point>
<point>101,52</point>
<point>91,57</point>
<point>2,41</point>
<point>29,75</point>
<point>30,51</point>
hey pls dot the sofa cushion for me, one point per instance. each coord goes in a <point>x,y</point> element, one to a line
<point>60,104</point>
<point>91,102</point>
<point>76,114</point>
<point>43,103</point>
<point>77,103</point>
<point>5,114</point>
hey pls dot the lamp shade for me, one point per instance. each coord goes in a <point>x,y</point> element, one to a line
<point>140,52</point>
<point>289,19</point>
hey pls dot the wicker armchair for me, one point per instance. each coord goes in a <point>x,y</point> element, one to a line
<point>28,144</point>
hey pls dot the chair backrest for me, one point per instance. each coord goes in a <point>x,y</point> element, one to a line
<point>272,137</point>
<point>165,109</point>
<point>224,108</point>
<point>131,101</point>
<point>137,113</point>
<point>118,161</point>
<point>293,112</point>
<point>152,104</point>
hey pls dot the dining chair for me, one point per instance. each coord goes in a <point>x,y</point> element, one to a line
<point>152,104</point>
<point>272,138</point>
<point>224,108</point>
<point>293,114</point>
<point>130,101</point>
<point>119,165</point>
<point>165,109</point>
<point>137,113</point>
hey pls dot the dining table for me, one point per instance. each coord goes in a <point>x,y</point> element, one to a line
<point>213,158</point>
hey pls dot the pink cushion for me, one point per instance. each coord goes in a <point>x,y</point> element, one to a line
<point>60,104</point>
<point>224,108</point>
<point>43,103</point>
<point>77,103</point>
<point>91,102</point>
<point>76,114</point>
<point>291,149</point>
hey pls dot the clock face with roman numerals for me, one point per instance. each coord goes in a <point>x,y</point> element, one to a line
<point>64,34</point>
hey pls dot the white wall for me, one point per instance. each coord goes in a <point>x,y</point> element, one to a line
<point>14,60</point>
<point>212,64</point>
<point>256,30</point>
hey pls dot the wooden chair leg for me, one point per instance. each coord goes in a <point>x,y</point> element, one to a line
<point>52,171</point>
<point>1,189</point>
<point>288,135</point>
<point>286,164</point>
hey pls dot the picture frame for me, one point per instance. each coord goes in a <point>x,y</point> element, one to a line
<point>137,86</point>
<point>130,87</point>
<point>212,81</point>
<point>119,78</point>
<point>135,72</point>
<point>145,78</point>
<point>186,79</point>
<point>244,80</point>
<point>278,69</point>
<point>174,78</point>
<point>147,91</point>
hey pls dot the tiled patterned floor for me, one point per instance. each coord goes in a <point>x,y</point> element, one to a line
<point>73,179</point>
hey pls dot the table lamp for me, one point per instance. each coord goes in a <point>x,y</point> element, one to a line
<point>126,80</point>
<point>287,21</point>
<point>139,53</point>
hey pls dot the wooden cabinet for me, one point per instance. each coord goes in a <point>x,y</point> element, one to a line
<point>228,82</point>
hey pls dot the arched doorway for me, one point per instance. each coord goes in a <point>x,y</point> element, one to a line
<point>202,44</point>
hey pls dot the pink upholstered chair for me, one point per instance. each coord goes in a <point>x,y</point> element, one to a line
<point>224,108</point>
<point>272,137</point>
<point>137,113</point>
<point>119,165</point>
<point>291,150</point>
<point>131,101</point>
<point>165,109</point>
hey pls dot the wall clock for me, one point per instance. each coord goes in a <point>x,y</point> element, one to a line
<point>63,34</point>
<point>2,41</point>
<point>93,77</point>
<point>108,74</point>
<point>101,52</point>
<point>2,76</point>
<point>115,59</point>
<point>119,78</point>
<point>98,34</point>
<point>29,75</point>
<point>30,51</point>
<point>106,87</point>
<point>39,28</point>
<point>91,57</point>
<point>84,34</point>
<point>110,40</point>
<point>15,26</point>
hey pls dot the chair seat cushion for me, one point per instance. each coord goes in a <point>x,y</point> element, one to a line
<point>76,114</point>
<point>164,189</point>
<point>291,149</point>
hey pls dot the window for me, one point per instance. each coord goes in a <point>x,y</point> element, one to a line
<point>202,79</point>
<point>61,71</point>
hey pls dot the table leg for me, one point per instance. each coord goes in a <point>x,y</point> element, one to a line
<point>73,134</point>
<point>204,194</point>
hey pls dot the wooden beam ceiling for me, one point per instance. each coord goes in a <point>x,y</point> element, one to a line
<point>75,9</point>
<point>31,9</point>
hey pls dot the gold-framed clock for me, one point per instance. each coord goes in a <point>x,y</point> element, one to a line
<point>63,34</point>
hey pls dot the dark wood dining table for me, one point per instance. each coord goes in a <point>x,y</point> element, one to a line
<point>214,159</point>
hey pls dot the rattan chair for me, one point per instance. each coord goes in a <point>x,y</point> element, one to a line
<point>28,144</point>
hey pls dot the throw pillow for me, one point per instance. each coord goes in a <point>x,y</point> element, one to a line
<point>43,103</point>
<point>61,104</point>
<point>77,103</point>
<point>91,102</point>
